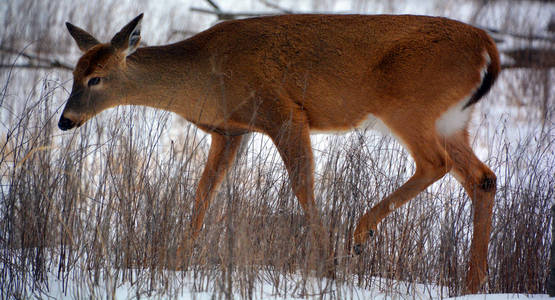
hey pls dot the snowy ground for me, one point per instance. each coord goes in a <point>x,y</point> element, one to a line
<point>501,297</point>
<point>292,288</point>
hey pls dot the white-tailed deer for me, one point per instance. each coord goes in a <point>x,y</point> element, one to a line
<point>286,76</point>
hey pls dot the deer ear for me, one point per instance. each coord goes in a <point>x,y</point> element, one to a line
<point>127,40</point>
<point>84,40</point>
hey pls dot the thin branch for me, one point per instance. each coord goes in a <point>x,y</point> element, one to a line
<point>34,61</point>
<point>33,66</point>
<point>530,58</point>
<point>213,4</point>
<point>227,15</point>
<point>223,15</point>
<point>498,32</point>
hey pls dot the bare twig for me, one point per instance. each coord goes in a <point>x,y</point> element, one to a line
<point>54,65</point>
<point>500,34</point>
<point>34,61</point>
<point>530,58</point>
<point>225,15</point>
<point>213,4</point>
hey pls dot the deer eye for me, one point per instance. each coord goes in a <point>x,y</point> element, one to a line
<point>93,81</point>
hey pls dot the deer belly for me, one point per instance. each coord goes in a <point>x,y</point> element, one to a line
<point>371,122</point>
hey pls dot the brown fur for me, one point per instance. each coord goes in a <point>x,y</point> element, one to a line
<point>287,75</point>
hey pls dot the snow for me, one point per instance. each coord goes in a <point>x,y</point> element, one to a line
<point>501,297</point>
<point>292,288</point>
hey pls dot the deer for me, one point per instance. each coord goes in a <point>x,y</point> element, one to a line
<point>287,76</point>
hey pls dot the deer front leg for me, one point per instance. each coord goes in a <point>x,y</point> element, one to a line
<point>292,140</point>
<point>223,150</point>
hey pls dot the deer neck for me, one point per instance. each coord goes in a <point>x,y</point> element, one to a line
<point>164,77</point>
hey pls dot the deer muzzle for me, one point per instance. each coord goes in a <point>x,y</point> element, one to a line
<point>65,123</point>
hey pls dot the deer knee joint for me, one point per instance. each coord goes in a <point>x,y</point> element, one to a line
<point>488,183</point>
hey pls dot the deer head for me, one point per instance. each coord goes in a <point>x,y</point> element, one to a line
<point>100,80</point>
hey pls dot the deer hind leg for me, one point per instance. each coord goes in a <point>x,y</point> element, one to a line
<point>220,158</point>
<point>432,163</point>
<point>480,184</point>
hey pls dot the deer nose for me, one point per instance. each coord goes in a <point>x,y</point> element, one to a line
<point>65,123</point>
